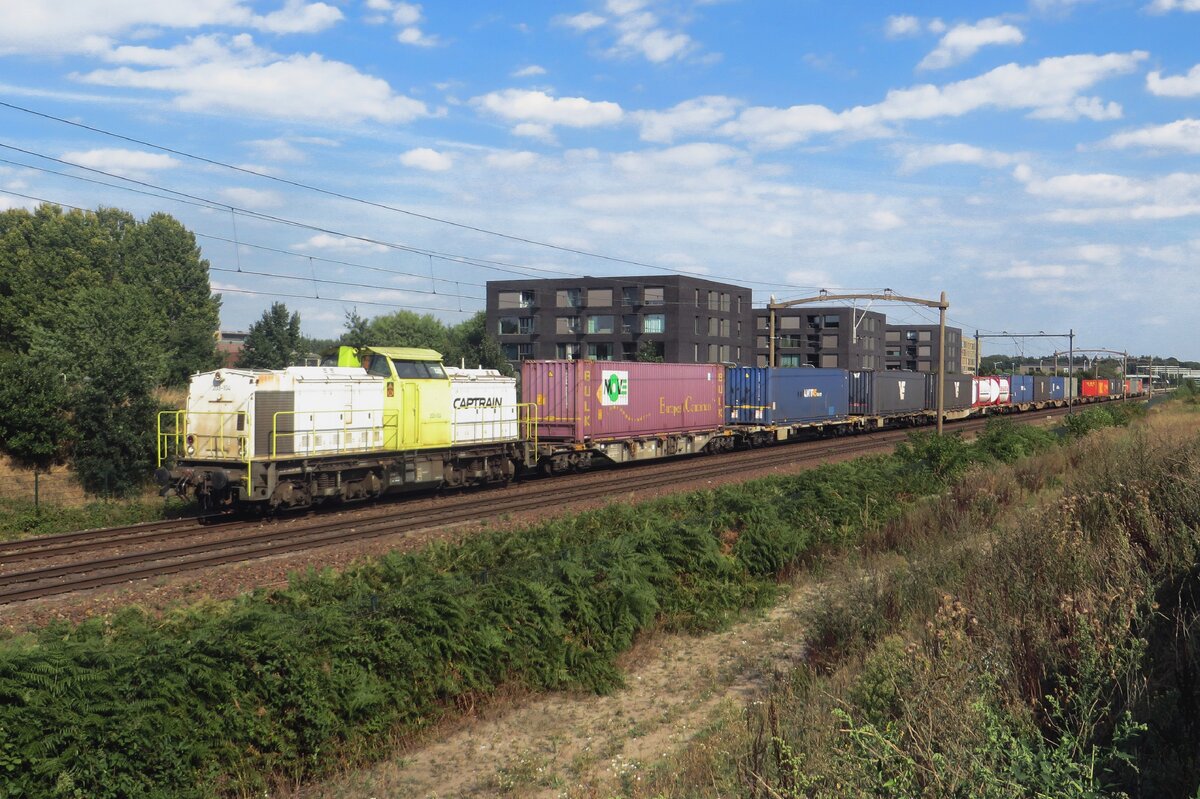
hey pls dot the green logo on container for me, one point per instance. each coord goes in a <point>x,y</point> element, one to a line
<point>614,388</point>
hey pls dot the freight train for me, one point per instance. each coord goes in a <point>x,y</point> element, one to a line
<point>385,420</point>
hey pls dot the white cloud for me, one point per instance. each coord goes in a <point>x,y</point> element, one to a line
<point>88,26</point>
<point>1182,135</point>
<point>1116,198</point>
<point>128,163</point>
<point>1175,86</point>
<point>684,157</point>
<point>252,198</point>
<point>530,71</point>
<point>639,32</point>
<point>1049,89</point>
<point>427,159</point>
<point>963,41</point>
<point>937,26</point>
<point>285,149</point>
<point>582,22</point>
<point>405,14</point>
<point>510,159</point>
<point>1023,270</point>
<point>534,130</point>
<point>327,242</point>
<point>537,112</point>
<point>1098,188</point>
<point>416,37</point>
<point>297,16</point>
<point>915,159</point>
<point>220,74</point>
<point>902,25</point>
<point>700,115</point>
<point>1163,6</point>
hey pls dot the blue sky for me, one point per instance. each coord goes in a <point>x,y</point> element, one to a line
<point>1035,160</point>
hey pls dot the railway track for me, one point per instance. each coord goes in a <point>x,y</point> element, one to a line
<point>121,554</point>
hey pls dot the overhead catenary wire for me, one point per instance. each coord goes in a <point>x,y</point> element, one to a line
<point>371,203</point>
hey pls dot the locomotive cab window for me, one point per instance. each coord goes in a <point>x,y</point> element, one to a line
<point>419,370</point>
<point>378,365</point>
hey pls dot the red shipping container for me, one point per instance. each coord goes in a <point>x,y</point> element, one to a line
<point>1089,387</point>
<point>602,400</point>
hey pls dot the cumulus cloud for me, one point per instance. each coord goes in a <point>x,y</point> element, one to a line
<point>427,159</point>
<point>533,70</point>
<point>1115,198</point>
<point>243,197</point>
<point>700,115</point>
<point>1052,88</point>
<point>89,26</point>
<point>914,159</point>
<point>638,31</point>
<point>1175,86</point>
<point>330,243</point>
<point>231,74</point>
<point>963,41</point>
<point>511,159</point>
<point>685,157</point>
<point>127,163</point>
<point>581,22</point>
<point>901,25</point>
<point>536,113</point>
<point>286,149</point>
<point>1163,6</point>
<point>1182,135</point>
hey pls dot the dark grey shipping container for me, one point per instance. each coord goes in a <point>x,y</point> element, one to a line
<point>1048,389</point>
<point>957,394</point>
<point>886,393</point>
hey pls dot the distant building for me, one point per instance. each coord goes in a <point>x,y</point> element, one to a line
<point>229,346</point>
<point>915,348</point>
<point>683,319</point>
<point>969,353</point>
<point>834,338</point>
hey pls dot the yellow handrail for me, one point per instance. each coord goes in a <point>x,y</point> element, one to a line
<point>389,422</point>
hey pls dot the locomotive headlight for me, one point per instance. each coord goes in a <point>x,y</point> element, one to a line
<point>191,450</point>
<point>191,444</point>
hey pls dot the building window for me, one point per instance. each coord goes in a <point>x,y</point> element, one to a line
<point>725,301</point>
<point>602,351</point>
<point>763,322</point>
<point>724,352</point>
<point>739,303</point>
<point>725,329</point>
<point>714,300</point>
<point>910,335</point>
<point>568,298</point>
<point>789,361</point>
<point>566,351</point>
<point>655,295</point>
<point>700,326</point>
<point>924,352</point>
<point>829,342</point>
<point>629,351</point>
<point>517,352</point>
<point>629,323</point>
<point>515,299</point>
<point>629,295</point>
<point>714,326</point>
<point>517,325</point>
<point>832,320</point>
<point>892,335</point>
<point>599,298</point>
<point>600,324</point>
<point>788,323</point>
<point>654,323</point>
<point>699,299</point>
<point>925,336</point>
<point>795,342</point>
<point>763,343</point>
<point>566,325</point>
<point>829,361</point>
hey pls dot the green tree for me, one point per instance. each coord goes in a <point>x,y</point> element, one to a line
<point>358,331</point>
<point>650,351</point>
<point>273,341</point>
<point>35,427</point>
<point>469,342</point>
<point>110,351</point>
<point>408,329</point>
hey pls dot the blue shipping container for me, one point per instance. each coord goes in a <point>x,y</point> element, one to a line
<point>1020,389</point>
<point>761,395</point>
<point>1047,389</point>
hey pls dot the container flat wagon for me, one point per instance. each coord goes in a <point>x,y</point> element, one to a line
<point>621,411</point>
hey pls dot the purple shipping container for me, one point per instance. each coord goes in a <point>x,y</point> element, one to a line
<point>600,400</point>
<point>1047,389</point>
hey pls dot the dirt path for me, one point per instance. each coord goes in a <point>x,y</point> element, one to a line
<point>586,745</point>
